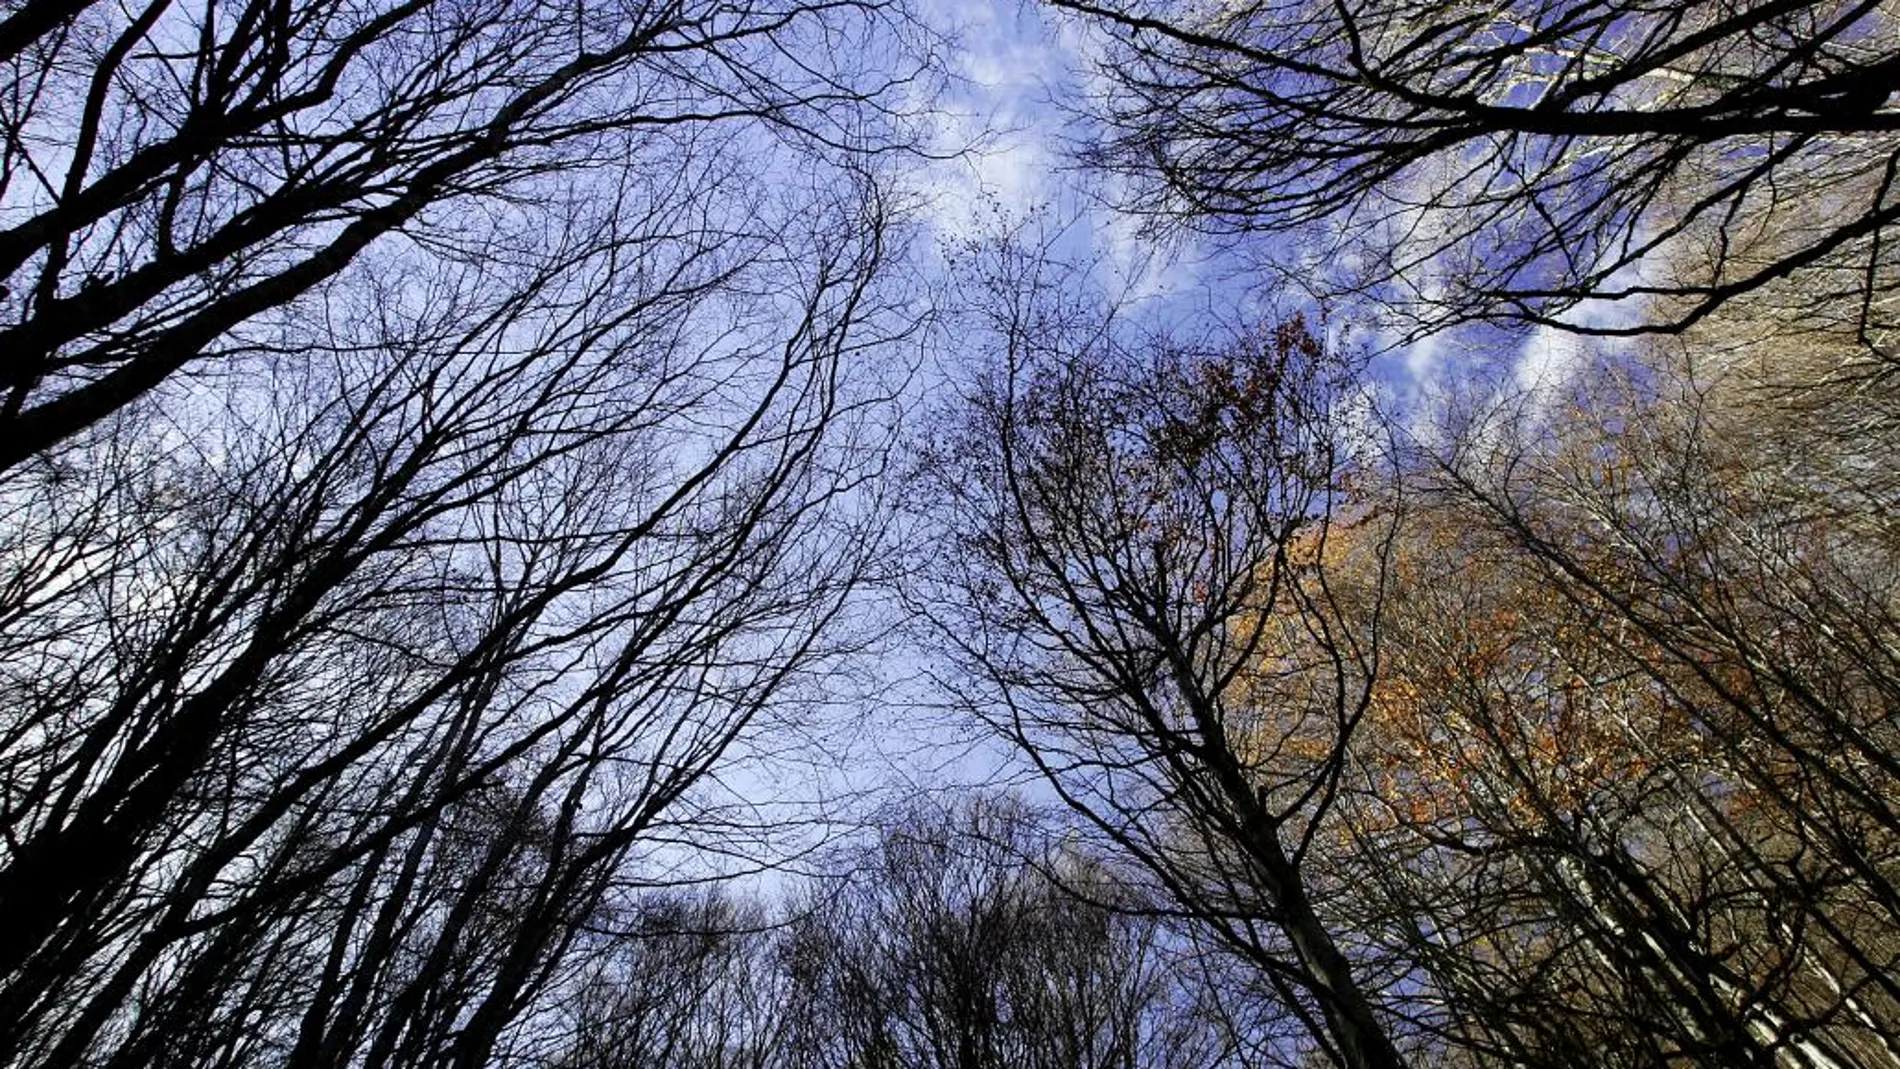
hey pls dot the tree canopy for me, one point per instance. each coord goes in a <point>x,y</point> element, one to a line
<point>486,486</point>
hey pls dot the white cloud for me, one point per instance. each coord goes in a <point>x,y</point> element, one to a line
<point>995,122</point>
<point>1551,357</point>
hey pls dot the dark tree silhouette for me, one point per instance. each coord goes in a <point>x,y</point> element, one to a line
<point>1513,161</point>
<point>970,938</point>
<point>698,981</point>
<point>1133,584</point>
<point>344,689</point>
<point>179,181</point>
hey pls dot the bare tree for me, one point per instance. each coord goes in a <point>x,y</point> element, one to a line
<point>345,689</point>
<point>180,181</point>
<point>1609,168</point>
<point>969,938</point>
<point>1132,582</point>
<point>696,983</point>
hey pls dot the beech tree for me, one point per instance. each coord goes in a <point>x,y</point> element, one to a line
<point>1626,777</point>
<point>1132,587</point>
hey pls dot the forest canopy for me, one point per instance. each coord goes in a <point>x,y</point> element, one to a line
<point>529,536</point>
